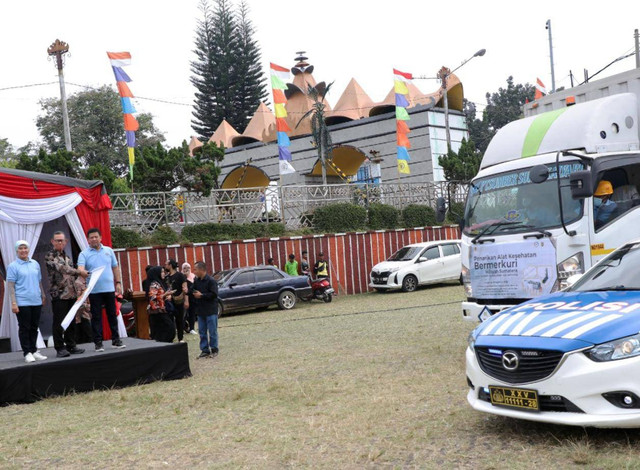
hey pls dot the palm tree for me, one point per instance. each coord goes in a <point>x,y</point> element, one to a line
<point>319,129</point>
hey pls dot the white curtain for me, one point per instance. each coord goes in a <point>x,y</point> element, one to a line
<point>9,234</point>
<point>31,211</point>
<point>78,233</point>
<point>22,219</point>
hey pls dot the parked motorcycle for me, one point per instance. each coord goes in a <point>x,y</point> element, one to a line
<point>320,289</point>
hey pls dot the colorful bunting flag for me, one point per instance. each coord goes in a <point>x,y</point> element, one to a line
<point>400,81</point>
<point>541,90</point>
<point>279,77</point>
<point>119,60</point>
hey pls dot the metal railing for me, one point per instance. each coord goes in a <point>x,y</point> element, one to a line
<point>289,204</point>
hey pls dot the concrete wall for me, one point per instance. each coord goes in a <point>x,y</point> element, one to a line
<point>378,133</point>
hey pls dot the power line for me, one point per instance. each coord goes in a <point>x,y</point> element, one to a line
<point>27,86</point>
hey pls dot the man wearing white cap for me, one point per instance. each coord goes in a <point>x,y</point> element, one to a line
<point>24,281</point>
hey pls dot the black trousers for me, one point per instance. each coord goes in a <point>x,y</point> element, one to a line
<point>179,318</point>
<point>28,322</point>
<point>108,301</point>
<point>60,308</point>
<point>191,314</point>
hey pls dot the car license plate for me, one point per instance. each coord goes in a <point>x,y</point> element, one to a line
<point>330,290</point>
<point>520,398</point>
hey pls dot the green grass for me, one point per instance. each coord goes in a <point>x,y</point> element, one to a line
<point>375,380</point>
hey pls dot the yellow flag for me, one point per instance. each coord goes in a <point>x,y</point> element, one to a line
<point>132,156</point>
<point>280,110</point>
<point>403,167</point>
<point>400,87</point>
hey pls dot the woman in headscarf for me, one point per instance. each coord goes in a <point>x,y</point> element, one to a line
<point>24,281</point>
<point>162,326</point>
<point>191,311</point>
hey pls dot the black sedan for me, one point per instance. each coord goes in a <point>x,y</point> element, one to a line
<point>258,286</point>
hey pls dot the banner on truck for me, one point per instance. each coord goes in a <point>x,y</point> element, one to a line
<point>519,270</point>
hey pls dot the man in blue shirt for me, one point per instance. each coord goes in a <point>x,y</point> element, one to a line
<point>104,292</point>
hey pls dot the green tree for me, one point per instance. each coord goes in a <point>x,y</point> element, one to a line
<point>226,71</point>
<point>60,162</point>
<point>98,171</point>
<point>250,88</point>
<point>161,169</point>
<point>463,165</point>
<point>503,106</point>
<point>6,150</point>
<point>97,129</point>
<point>319,129</point>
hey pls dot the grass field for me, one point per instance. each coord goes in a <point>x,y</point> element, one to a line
<point>375,380</point>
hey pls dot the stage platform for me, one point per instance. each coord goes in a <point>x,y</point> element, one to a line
<point>142,361</point>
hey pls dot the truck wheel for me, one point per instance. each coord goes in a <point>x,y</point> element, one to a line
<point>409,283</point>
<point>286,300</point>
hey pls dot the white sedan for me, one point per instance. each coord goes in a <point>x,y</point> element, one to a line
<point>418,264</point>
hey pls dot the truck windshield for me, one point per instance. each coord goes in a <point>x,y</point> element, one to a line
<point>618,271</point>
<point>512,197</point>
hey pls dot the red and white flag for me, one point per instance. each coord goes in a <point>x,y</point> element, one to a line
<point>541,90</point>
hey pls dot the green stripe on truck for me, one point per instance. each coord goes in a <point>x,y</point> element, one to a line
<point>538,130</point>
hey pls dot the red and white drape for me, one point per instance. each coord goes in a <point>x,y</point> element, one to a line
<point>25,205</point>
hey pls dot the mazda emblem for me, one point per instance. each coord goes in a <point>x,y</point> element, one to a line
<point>510,360</point>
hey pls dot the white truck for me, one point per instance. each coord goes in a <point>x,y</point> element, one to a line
<point>530,221</point>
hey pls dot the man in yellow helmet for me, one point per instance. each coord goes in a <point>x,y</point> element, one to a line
<point>604,207</point>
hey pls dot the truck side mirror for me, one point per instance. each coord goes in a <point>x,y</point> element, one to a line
<point>539,174</point>
<point>441,210</point>
<point>581,184</point>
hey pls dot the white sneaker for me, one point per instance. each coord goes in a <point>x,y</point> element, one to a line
<point>193,332</point>
<point>39,357</point>
<point>29,358</point>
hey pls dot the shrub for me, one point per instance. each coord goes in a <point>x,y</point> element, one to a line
<point>415,215</point>
<point>123,238</point>
<point>164,235</point>
<point>210,232</point>
<point>454,213</point>
<point>382,216</point>
<point>341,217</point>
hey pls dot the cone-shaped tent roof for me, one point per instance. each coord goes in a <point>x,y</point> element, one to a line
<point>416,97</point>
<point>298,101</point>
<point>224,134</point>
<point>194,144</point>
<point>353,104</point>
<point>261,128</point>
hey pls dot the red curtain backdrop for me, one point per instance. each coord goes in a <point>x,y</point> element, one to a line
<point>93,211</point>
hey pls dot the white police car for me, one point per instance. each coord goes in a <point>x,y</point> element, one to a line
<point>572,357</point>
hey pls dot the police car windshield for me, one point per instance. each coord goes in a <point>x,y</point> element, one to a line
<point>405,254</point>
<point>512,197</point>
<point>618,271</point>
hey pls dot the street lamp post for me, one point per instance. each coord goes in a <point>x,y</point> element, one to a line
<point>443,76</point>
<point>57,50</point>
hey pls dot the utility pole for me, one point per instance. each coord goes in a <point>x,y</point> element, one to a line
<point>57,50</point>
<point>443,73</point>
<point>553,75</point>
<point>637,38</point>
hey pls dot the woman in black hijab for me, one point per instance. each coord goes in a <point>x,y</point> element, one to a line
<point>162,326</point>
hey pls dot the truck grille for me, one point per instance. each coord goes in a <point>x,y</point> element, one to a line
<point>533,365</point>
